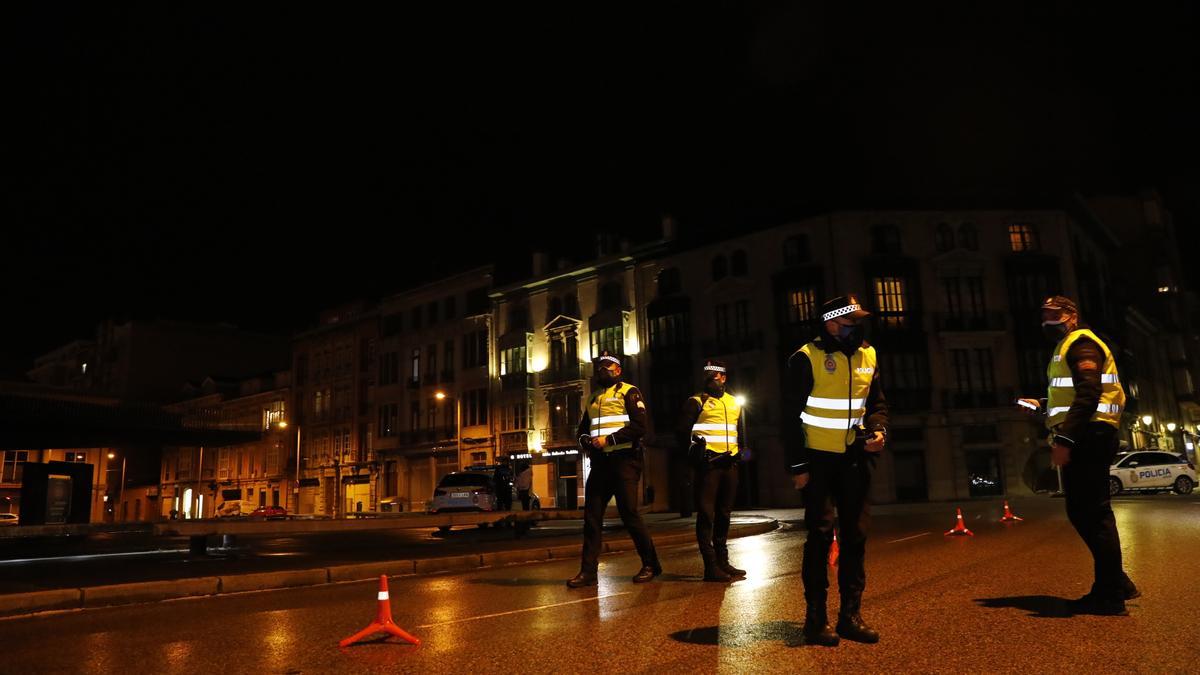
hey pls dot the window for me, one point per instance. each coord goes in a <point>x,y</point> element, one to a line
<point>513,360</point>
<point>973,370</point>
<point>554,308</point>
<point>795,250</point>
<point>474,408</point>
<point>389,420</point>
<point>1022,237</point>
<point>669,282</point>
<point>416,318</point>
<point>885,239</point>
<point>518,319</point>
<point>319,403</point>
<point>389,368</point>
<point>610,296</point>
<point>392,324</point>
<point>514,416</point>
<point>75,457</point>
<point>611,339</point>
<point>802,305</point>
<point>968,238</point>
<point>415,374</point>
<point>720,268</point>
<point>448,356</point>
<point>739,264</point>
<point>722,319</point>
<point>431,366</point>
<point>273,414</point>
<point>14,465</point>
<point>732,319</point>
<point>475,349</point>
<point>943,238</point>
<point>903,371</point>
<point>414,416</point>
<point>669,332</point>
<point>431,411</point>
<point>449,306</point>
<point>890,300</point>
<point>964,296</point>
<point>431,312</point>
<point>1031,368</point>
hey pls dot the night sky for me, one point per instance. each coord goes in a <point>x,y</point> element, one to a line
<point>257,164</point>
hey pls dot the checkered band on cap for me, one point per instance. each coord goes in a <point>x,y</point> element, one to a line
<point>840,312</point>
<point>614,359</point>
<point>715,369</point>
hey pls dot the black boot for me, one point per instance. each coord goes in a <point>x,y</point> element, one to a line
<point>816,626</point>
<point>723,563</point>
<point>1098,604</point>
<point>647,573</point>
<point>714,572</point>
<point>850,623</point>
<point>584,578</point>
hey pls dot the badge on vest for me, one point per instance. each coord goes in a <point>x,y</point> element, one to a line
<point>830,364</point>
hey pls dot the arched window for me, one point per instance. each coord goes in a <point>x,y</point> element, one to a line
<point>943,238</point>
<point>720,268</point>
<point>740,267</point>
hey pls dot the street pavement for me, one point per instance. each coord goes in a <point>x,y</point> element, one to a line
<point>988,603</point>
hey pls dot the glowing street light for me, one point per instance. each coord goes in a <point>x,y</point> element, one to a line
<point>1146,419</point>
<point>1170,426</point>
<point>741,400</point>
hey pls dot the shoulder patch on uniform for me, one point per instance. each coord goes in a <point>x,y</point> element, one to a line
<point>641,404</point>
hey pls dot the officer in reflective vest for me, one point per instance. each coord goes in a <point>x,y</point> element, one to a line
<point>836,422</point>
<point>711,427</point>
<point>610,434</point>
<point>1083,413</point>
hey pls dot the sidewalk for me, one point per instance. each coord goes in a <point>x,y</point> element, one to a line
<point>123,578</point>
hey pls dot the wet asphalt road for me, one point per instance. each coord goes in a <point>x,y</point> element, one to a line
<point>989,603</point>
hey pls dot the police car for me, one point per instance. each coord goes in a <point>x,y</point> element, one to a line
<point>1151,470</point>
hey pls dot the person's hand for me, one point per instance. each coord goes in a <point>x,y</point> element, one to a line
<point>1060,455</point>
<point>599,442</point>
<point>800,480</point>
<point>875,442</point>
<point>1030,406</point>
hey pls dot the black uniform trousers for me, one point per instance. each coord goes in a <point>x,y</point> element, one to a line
<point>841,482</point>
<point>716,486</point>
<point>614,474</point>
<point>1089,508</point>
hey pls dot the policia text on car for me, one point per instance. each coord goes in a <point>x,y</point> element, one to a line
<point>610,435</point>
<point>836,423</point>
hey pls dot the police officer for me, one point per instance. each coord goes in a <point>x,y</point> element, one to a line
<point>836,425</point>
<point>711,427</point>
<point>610,434</point>
<point>1083,413</point>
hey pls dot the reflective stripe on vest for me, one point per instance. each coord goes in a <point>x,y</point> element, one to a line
<point>1061,393</point>
<point>718,422</point>
<point>836,405</point>
<point>608,414</point>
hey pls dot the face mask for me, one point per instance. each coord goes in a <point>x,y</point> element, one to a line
<point>1055,330</point>
<point>850,336</point>
<point>606,378</point>
<point>715,388</point>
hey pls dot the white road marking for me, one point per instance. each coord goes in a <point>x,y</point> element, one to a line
<point>527,609</point>
<point>896,541</point>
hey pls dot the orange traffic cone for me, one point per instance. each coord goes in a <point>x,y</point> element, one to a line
<point>833,551</point>
<point>383,620</point>
<point>959,529</point>
<point>1009,516</point>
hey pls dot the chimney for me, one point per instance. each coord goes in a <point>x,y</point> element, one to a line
<point>669,227</point>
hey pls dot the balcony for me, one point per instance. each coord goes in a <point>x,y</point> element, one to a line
<point>420,436</point>
<point>733,344</point>
<point>516,381</point>
<point>559,436</point>
<point>514,442</point>
<point>567,374</point>
<point>957,322</point>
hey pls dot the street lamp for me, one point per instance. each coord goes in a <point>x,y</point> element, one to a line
<point>121,487</point>
<point>1171,426</point>
<point>282,424</point>
<point>1146,419</point>
<point>441,396</point>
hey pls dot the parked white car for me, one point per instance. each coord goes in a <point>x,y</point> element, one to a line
<point>1151,470</point>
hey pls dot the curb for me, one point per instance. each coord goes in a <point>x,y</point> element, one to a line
<point>21,604</point>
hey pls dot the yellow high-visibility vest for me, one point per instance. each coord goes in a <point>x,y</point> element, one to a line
<point>837,404</point>
<point>608,414</point>
<point>718,422</point>
<point>1061,393</point>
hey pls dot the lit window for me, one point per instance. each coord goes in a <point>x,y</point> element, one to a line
<point>1022,237</point>
<point>802,305</point>
<point>83,369</point>
<point>890,300</point>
